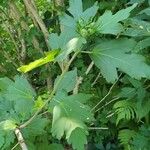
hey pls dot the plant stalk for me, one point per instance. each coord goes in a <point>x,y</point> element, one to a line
<point>52,93</point>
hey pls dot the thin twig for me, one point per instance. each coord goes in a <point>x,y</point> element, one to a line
<point>80,79</point>
<point>78,82</point>
<point>109,92</point>
<point>52,93</point>
<point>98,128</point>
<point>97,77</point>
<point>20,139</point>
<point>89,68</point>
<point>87,52</point>
<point>45,112</point>
<point>110,115</point>
<point>107,104</point>
<point>15,146</point>
<point>147,87</point>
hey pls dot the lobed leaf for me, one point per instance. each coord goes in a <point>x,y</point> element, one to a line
<point>109,23</point>
<point>21,94</point>
<point>68,82</point>
<point>70,114</point>
<point>78,139</point>
<point>113,54</point>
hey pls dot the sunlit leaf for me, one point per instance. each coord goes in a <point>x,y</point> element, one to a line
<point>50,56</point>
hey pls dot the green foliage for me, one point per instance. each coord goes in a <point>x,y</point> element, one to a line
<point>125,136</point>
<point>109,24</point>
<point>141,140</point>
<point>109,55</point>
<point>68,82</point>
<point>69,117</point>
<point>95,93</point>
<point>21,94</point>
<point>78,139</point>
<point>137,28</point>
<point>125,110</point>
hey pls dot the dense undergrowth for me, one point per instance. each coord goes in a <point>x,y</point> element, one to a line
<point>75,74</point>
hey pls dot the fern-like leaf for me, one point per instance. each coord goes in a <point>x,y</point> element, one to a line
<point>125,109</point>
<point>125,136</point>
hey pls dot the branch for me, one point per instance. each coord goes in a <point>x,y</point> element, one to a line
<point>98,128</point>
<point>16,15</point>
<point>23,46</point>
<point>97,77</point>
<point>20,139</point>
<point>30,15</point>
<point>52,93</point>
<point>106,104</point>
<point>109,92</point>
<point>34,13</point>
<point>15,146</point>
<point>80,79</point>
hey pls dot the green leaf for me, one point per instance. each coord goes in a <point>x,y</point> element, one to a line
<point>7,137</point>
<point>69,40</point>
<point>20,90</point>
<point>62,124</point>
<point>137,28</point>
<point>127,92</point>
<point>143,109</point>
<point>22,94</point>
<point>35,128</point>
<point>2,140</point>
<point>142,138</point>
<point>146,11</point>
<point>59,41</point>
<point>136,1</point>
<point>75,8</point>
<point>78,139</point>
<point>4,83</point>
<point>7,125</point>
<point>144,43</point>
<point>77,11</point>
<point>68,82</point>
<point>74,44</point>
<point>6,107</point>
<point>113,54</point>
<point>50,56</point>
<point>81,97</point>
<point>69,114</point>
<point>89,13</point>
<point>109,23</point>
<point>125,136</point>
<point>125,109</point>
